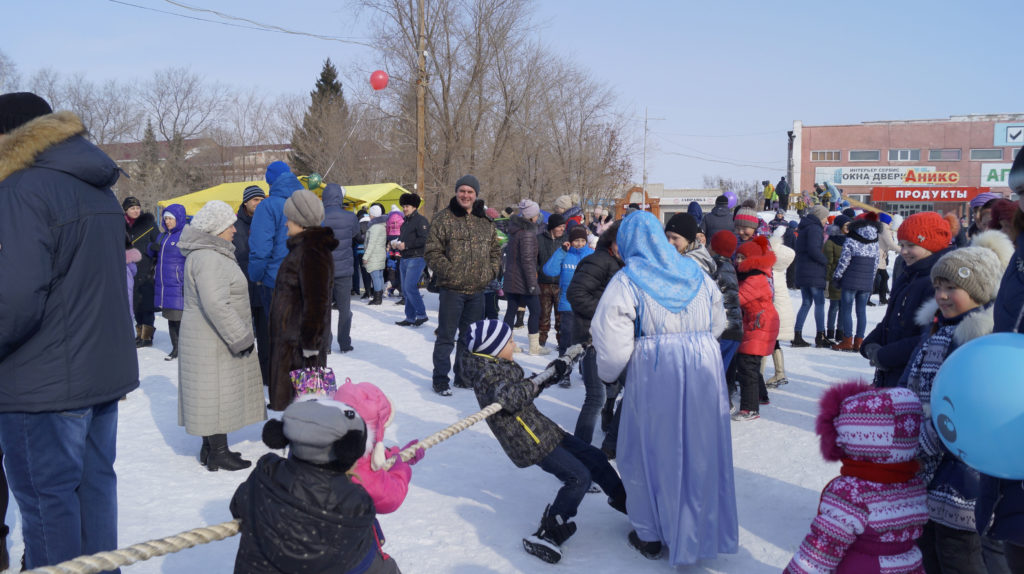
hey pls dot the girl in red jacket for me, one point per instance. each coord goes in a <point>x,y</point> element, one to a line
<point>754,260</point>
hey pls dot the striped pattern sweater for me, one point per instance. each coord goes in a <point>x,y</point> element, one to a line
<point>864,527</point>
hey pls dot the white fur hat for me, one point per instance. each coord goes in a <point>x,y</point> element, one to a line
<point>214,217</point>
<point>978,268</point>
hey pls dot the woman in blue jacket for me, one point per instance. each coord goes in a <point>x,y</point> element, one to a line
<point>563,265</point>
<point>810,265</point>
<point>168,295</point>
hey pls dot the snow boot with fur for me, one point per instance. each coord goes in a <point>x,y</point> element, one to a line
<point>547,541</point>
<point>535,346</point>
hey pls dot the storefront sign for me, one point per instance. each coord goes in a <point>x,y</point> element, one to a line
<point>686,200</point>
<point>995,174</point>
<point>931,177</point>
<point>877,175</point>
<point>925,194</point>
<point>1008,134</point>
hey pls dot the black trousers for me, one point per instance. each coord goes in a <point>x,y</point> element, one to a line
<point>881,284</point>
<point>752,387</point>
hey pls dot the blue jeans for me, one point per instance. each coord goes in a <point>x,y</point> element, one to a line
<point>378,279</point>
<point>566,328</point>
<point>729,349</point>
<point>595,393</point>
<point>343,299</point>
<point>846,311</point>
<point>491,309</point>
<point>576,463</point>
<point>833,313</point>
<point>455,312</point>
<point>810,295</point>
<point>411,269</point>
<point>60,468</point>
<point>266,296</point>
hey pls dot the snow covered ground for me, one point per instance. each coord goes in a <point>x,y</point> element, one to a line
<point>468,506</point>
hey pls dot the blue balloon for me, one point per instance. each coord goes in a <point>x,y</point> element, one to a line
<point>977,404</point>
<point>732,198</point>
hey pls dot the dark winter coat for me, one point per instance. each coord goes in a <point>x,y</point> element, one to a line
<point>301,518</point>
<point>782,189</point>
<point>141,234</point>
<point>999,511</point>
<point>588,283</point>
<point>897,333</point>
<point>414,234</point>
<point>170,263</point>
<point>546,247</point>
<point>718,219</point>
<point>728,284</point>
<point>300,312</point>
<point>241,243</point>
<point>810,260</point>
<point>695,210</point>
<point>833,249</point>
<point>789,239</point>
<point>66,338</point>
<point>858,261</point>
<point>521,258</point>
<point>463,249</point>
<point>760,319</point>
<point>526,435</point>
<point>344,225</point>
<point>268,235</point>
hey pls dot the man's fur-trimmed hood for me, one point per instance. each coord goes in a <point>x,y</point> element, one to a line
<point>32,144</point>
<point>977,323</point>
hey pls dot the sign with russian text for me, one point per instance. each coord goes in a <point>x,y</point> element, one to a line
<point>995,174</point>
<point>925,194</point>
<point>704,200</point>
<point>876,175</point>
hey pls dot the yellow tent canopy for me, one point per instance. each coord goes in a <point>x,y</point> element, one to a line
<point>356,196</point>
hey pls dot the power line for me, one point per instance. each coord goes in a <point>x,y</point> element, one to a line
<point>765,164</point>
<point>254,25</point>
<point>724,161</point>
<point>773,132</point>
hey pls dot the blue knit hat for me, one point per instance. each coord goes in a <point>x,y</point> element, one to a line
<point>885,218</point>
<point>275,170</point>
<point>487,337</point>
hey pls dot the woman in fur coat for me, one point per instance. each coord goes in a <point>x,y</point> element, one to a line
<point>300,312</point>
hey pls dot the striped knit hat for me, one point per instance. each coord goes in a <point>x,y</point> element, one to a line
<point>487,337</point>
<point>867,424</point>
<point>746,217</point>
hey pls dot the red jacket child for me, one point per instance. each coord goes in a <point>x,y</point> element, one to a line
<point>760,319</point>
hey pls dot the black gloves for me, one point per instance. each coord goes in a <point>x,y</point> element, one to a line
<point>247,351</point>
<point>871,352</point>
<point>561,367</point>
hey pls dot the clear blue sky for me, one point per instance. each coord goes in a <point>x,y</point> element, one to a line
<point>740,69</point>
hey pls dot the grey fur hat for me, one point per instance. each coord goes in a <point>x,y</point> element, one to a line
<point>304,208</point>
<point>978,268</point>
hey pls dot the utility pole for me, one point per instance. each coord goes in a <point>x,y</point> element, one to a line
<point>421,96</point>
<point>644,164</point>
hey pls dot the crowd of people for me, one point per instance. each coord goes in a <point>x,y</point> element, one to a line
<point>678,322</point>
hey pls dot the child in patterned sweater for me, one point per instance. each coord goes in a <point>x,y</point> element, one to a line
<point>869,517</point>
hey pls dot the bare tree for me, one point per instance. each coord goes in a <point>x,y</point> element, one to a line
<point>46,83</point>
<point>181,104</point>
<point>110,113</point>
<point>10,78</point>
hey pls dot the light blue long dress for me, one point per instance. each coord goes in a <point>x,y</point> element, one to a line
<point>660,316</point>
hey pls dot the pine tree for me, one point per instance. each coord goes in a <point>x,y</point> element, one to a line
<point>149,161</point>
<point>319,143</point>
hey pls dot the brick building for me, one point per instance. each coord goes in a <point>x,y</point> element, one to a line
<point>909,165</point>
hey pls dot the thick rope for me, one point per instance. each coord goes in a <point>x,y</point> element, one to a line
<point>105,561</point>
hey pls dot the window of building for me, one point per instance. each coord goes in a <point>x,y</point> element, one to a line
<point>1015,152</point>
<point>827,155</point>
<point>984,154</point>
<point>904,155</point>
<point>865,155</point>
<point>951,154</point>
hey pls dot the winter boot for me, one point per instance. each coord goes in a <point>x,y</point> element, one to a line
<point>138,336</point>
<point>857,342</point>
<point>204,451</point>
<point>649,550</point>
<point>519,318</point>
<point>798,341</point>
<point>220,457</point>
<point>173,327</point>
<point>830,334</point>
<point>535,347</point>
<point>779,378</point>
<point>5,558</point>
<point>146,338</point>
<point>366,293</point>
<point>845,345</point>
<point>820,341</point>
<point>378,297</point>
<point>547,541</point>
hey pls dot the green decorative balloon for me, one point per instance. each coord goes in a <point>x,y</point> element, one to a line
<point>314,180</point>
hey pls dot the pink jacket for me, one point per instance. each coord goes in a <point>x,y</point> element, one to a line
<point>387,488</point>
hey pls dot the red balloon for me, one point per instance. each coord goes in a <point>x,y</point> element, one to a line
<point>379,80</point>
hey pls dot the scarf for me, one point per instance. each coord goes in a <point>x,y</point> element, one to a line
<point>884,473</point>
<point>654,265</point>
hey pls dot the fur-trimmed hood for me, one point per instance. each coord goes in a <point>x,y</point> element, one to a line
<point>477,210</point>
<point>762,263</point>
<point>864,230</point>
<point>975,323</point>
<point>55,141</point>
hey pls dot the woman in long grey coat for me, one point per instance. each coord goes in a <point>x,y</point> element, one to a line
<point>220,388</point>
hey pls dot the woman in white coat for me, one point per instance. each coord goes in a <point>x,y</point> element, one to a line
<point>220,388</point>
<point>659,318</point>
<point>375,255</point>
<point>783,306</point>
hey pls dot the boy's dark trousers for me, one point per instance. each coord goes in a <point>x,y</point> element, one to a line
<point>752,387</point>
<point>882,285</point>
<point>576,464</point>
<point>947,549</point>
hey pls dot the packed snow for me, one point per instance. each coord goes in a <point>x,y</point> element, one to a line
<point>468,506</point>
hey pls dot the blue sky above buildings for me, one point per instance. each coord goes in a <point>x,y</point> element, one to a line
<point>725,78</point>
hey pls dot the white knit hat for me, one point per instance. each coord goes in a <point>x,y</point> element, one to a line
<point>978,268</point>
<point>214,217</point>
